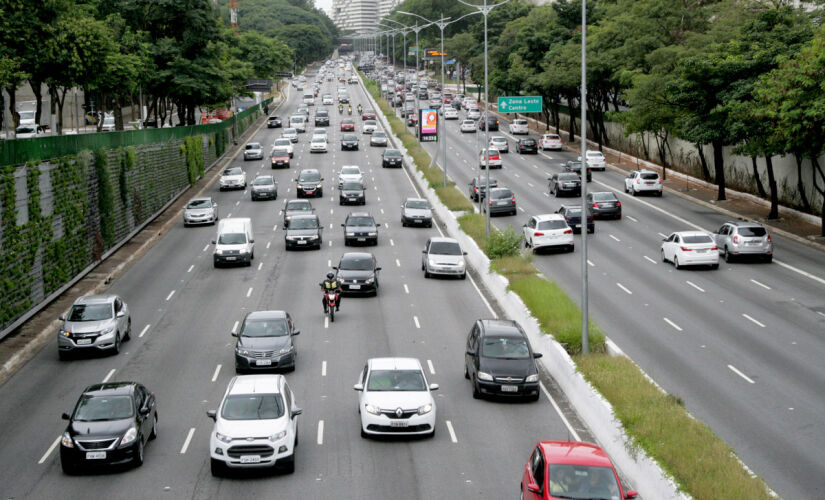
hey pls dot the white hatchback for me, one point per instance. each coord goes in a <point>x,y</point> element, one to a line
<point>286,144</point>
<point>689,248</point>
<point>450,113</point>
<point>595,160</point>
<point>350,173</point>
<point>468,126</point>
<point>500,144</point>
<point>548,231</point>
<point>550,141</point>
<point>291,134</point>
<point>256,425</point>
<point>519,126</point>
<point>318,144</point>
<point>394,398</point>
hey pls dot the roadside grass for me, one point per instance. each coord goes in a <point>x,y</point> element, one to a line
<point>685,447</point>
<point>699,461</point>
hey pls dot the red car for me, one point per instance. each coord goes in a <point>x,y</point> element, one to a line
<point>494,157</point>
<point>564,469</point>
<point>347,125</point>
<point>279,158</point>
<point>368,114</point>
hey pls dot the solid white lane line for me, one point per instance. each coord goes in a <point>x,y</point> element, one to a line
<point>170,295</point>
<point>217,371</point>
<point>617,239</point>
<point>268,243</point>
<point>624,288</point>
<point>821,313</point>
<point>187,441</point>
<point>392,243</point>
<point>430,365</point>
<point>674,325</point>
<point>800,271</point>
<point>520,208</point>
<point>320,432</point>
<point>249,292</point>
<point>50,450</point>
<point>260,265</point>
<point>734,370</point>
<point>558,410</point>
<point>407,290</point>
<point>417,324</point>
<point>235,327</point>
<point>649,259</point>
<point>452,432</point>
<point>694,285</point>
<point>108,375</point>
<point>142,332</point>
<point>323,368</point>
<point>766,287</point>
<point>206,248</point>
<point>190,268</point>
<point>632,218</point>
<point>753,320</point>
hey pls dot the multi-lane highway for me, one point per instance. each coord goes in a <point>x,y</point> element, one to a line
<point>183,311</point>
<point>742,345</point>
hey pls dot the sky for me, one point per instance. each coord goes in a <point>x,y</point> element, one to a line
<point>326,5</point>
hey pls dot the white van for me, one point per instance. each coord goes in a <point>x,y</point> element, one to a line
<point>298,122</point>
<point>309,98</point>
<point>234,243</point>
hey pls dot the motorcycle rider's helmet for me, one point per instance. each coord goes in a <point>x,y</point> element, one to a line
<point>330,276</point>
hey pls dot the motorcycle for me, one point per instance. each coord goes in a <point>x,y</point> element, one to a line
<point>330,301</point>
<point>340,109</point>
<point>349,111</point>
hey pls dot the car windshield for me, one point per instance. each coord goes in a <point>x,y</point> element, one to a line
<point>418,204</point>
<point>27,115</point>
<point>253,145</point>
<point>304,223</point>
<point>551,224</point>
<point>755,232</point>
<point>697,238</point>
<point>352,186</point>
<point>102,408</point>
<point>320,139</point>
<point>392,153</point>
<point>445,248</point>
<point>90,312</point>
<point>265,328</point>
<point>263,181</point>
<point>604,197</point>
<point>321,112</point>
<point>360,221</point>
<point>233,171</point>
<point>349,138</point>
<point>282,142</point>
<point>505,348</point>
<point>501,193</point>
<point>650,177</point>
<point>582,481</point>
<point>253,407</point>
<point>568,177</point>
<point>347,122</point>
<point>379,134</point>
<point>200,204</point>
<point>350,170</point>
<point>356,264</point>
<point>232,239</point>
<point>396,380</point>
<point>309,177</point>
<point>296,119</point>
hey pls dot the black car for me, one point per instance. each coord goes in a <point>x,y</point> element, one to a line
<point>349,142</point>
<point>352,193</point>
<point>309,183</point>
<point>274,121</point>
<point>360,227</point>
<point>478,187</point>
<point>604,204</point>
<point>358,273</point>
<point>321,118</point>
<point>573,215</point>
<point>110,425</point>
<point>303,231</point>
<point>565,183</point>
<point>297,207</point>
<point>576,167</point>
<point>527,145</point>
<point>499,360</point>
<point>456,104</point>
<point>391,158</point>
<point>265,342</point>
<point>491,122</point>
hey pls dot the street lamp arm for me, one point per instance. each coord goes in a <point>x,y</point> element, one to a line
<point>440,21</point>
<point>484,9</point>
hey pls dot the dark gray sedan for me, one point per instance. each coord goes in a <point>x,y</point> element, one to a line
<point>303,231</point>
<point>604,205</point>
<point>352,193</point>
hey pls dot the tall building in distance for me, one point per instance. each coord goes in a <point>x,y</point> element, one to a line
<point>360,16</point>
<point>385,6</point>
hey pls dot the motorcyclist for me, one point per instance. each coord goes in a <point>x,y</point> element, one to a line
<point>359,109</point>
<point>349,109</point>
<point>340,108</point>
<point>331,284</point>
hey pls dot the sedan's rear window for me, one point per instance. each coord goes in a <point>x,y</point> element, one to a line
<point>604,196</point>
<point>568,177</point>
<point>103,408</point>
<point>551,224</point>
<point>501,193</point>
<point>697,238</point>
<point>90,312</point>
<point>755,232</point>
<point>445,248</point>
<point>253,407</point>
<point>396,380</point>
<point>505,348</point>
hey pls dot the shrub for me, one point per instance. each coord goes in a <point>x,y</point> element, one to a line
<point>503,243</point>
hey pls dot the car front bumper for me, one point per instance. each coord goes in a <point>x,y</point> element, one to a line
<point>361,287</point>
<point>382,424</point>
<point>521,389</point>
<point>76,343</point>
<point>198,219</point>
<point>275,362</point>
<point>77,457</point>
<point>417,221</point>
<point>258,452</point>
<point>231,259</point>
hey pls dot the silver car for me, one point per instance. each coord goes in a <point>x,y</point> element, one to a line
<point>443,256</point>
<point>264,187</point>
<point>378,138</point>
<point>416,212</point>
<point>232,178</point>
<point>200,211</point>
<point>253,151</point>
<point>95,323</point>
<point>743,239</point>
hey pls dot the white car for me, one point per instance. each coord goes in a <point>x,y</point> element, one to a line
<point>595,159</point>
<point>500,144</point>
<point>232,178</point>
<point>284,143</point>
<point>256,425</point>
<point>369,127</point>
<point>473,113</point>
<point>550,141</point>
<point>643,181</point>
<point>450,113</point>
<point>320,132</point>
<point>519,126</point>
<point>318,144</point>
<point>108,123</point>
<point>253,151</point>
<point>291,134</point>
<point>394,398</point>
<point>350,173</point>
<point>689,248</point>
<point>298,122</point>
<point>548,231</point>
<point>327,99</point>
<point>468,126</point>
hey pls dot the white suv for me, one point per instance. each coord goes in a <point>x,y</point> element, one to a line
<point>548,231</point>
<point>255,426</point>
<point>643,181</point>
<point>596,160</point>
<point>519,126</point>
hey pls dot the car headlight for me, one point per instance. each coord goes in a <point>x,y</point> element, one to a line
<point>372,409</point>
<point>242,352</point>
<point>372,233</point>
<point>314,237</point>
<point>425,409</point>
<point>286,350</point>
<point>460,263</point>
<point>107,330</point>
<point>219,252</point>
<point>65,333</point>
<point>432,262</point>
<point>369,281</point>
<point>290,238</point>
<point>350,234</point>
<point>223,438</point>
<point>532,378</point>
<point>276,437</point>
<point>129,436</point>
<point>484,376</point>
<point>66,440</point>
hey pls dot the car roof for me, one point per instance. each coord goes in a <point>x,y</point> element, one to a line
<point>359,214</point>
<point>545,217</point>
<point>691,233</point>
<point>308,171</point>
<point>267,314</point>
<point>574,453</point>
<point>95,299</point>
<point>648,172</point>
<point>394,364</point>
<point>358,255</point>
<point>414,199</point>
<point>111,389</point>
<point>440,239</point>
<point>252,384</point>
<point>501,327</point>
<point>201,198</point>
<point>738,223</point>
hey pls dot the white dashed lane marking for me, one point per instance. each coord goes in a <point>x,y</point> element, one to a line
<point>694,285</point>
<point>217,371</point>
<point>624,288</point>
<point>734,370</point>
<point>766,287</point>
<point>674,325</point>
<point>143,332</point>
<point>187,441</point>
<point>761,325</point>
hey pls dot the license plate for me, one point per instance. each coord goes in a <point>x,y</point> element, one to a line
<point>649,183</point>
<point>230,258</point>
<point>418,221</point>
<point>352,200</point>
<point>509,388</point>
<point>250,459</point>
<point>355,287</point>
<point>84,341</point>
<point>309,191</point>
<point>95,455</point>
<point>501,203</point>
<point>264,362</point>
<point>399,423</point>
<point>701,250</point>
<point>302,242</point>
<point>362,239</point>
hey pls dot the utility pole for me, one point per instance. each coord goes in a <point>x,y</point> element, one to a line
<point>583,105</point>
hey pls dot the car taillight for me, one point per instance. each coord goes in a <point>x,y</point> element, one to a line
<point>514,199</point>
<point>638,180</point>
<point>475,189</point>
<point>538,234</point>
<point>685,249</point>
<point>736,240</point>
<point>715,248</point>
<point>769,237</point>
<point>595,205</point>
<point>618,203</point>
<point>491,203</point>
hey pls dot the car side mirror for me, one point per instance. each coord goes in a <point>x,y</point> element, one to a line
<point>464,253</point>
<point>358,387</point>
<point>423,251</point>
<point>377,268</point>
<point>335,267</point>
<point>62,317</point>
<point>664,239</point>
<point>65,416</point>
<point>234,334</point>
<point>252,241</point>
<point>214,205</point>
<point>213,242</point>
<point>537,355</point>
<point>471,352</point>
<point>121,314</point>
<point>294,413</point>
<point>533,488</point>
<point>212,414</point>
<point>433,387</point>
<point>343,225</point>
<point>296,332</point>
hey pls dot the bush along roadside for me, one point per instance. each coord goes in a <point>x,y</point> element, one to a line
<point>700,463</point>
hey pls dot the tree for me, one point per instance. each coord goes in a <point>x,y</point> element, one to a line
<point>266,55</point>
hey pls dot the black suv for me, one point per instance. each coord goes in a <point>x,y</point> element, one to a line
<point>321,118</point>
<point>309,183</point>
<point>110,425</point>
<point>303,231</point>
<point>352,193</point>
<point>265,342</point>
<point>499,360</point>
<point>360,227</point>
<point>391,158</point>
<point>478,187</point>
<point>527,145</point>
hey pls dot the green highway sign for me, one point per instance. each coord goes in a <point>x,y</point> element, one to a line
<point>520,104</point>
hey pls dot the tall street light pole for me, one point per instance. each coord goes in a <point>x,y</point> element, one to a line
<point>583,105</point>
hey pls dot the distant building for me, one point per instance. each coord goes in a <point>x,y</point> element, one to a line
<point>360,16</point>
<point>385,6</point>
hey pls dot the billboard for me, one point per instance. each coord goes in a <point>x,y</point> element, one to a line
<point>428,125</point>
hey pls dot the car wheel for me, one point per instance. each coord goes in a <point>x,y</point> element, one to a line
<point>464,275</point>
<point>676,262</point>
<point>289,463</point>
<point>217,467</point>
<point>427,274</point>
<point>769,259</point>
<point>128,335</point>
<point>116,348</point>
<point>154,433</point>
<point>476,392</point>
<point>466,372</point>
<point>714,266</point>
<point>659,194</point>
<point>69,468</point>
<point>634,192</point>
<point>664,259</point>
<point>571,248</point>
<point>62,355</point>
<point>138,460</point>
<point>534,398</point>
